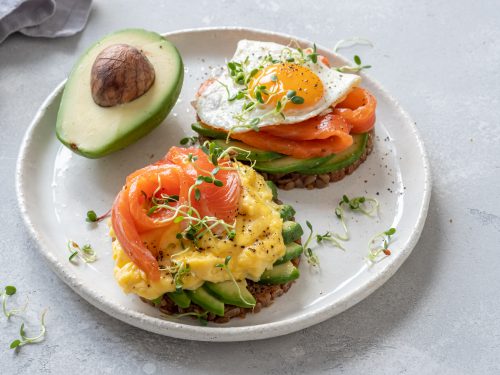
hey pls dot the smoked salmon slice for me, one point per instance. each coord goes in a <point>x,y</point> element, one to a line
<point>164,183</point>
<point>128,236</point>
<point>155,194</point>
<point>358,109</point>
<point>319,127</point>
<point>297,149</point>
<point>219,201</point>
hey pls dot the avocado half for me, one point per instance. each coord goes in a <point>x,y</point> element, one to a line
<point>94,131</point>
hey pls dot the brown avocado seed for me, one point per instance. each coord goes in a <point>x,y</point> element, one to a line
<point>120,74</point>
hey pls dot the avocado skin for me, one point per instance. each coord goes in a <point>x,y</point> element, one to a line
<point>208,132</point>
<point>159,113</point>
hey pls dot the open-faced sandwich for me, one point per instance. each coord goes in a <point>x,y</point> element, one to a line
<point>305,123</point>
<point>200,234</point>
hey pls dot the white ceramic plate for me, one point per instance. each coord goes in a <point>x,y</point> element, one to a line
<point>56,188</point>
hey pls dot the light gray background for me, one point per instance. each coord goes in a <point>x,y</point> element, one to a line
<point>438,314</point>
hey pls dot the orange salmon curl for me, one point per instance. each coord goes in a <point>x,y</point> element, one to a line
<point>154,195</point>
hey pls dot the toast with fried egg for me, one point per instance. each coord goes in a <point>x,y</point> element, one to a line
<point>300,121</point>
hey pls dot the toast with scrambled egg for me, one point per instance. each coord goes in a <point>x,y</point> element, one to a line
<point>172,248</point>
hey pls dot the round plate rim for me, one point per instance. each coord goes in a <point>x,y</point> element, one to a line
<point>184,331</point>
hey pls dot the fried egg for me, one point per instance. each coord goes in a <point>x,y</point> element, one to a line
<point>266,84</point>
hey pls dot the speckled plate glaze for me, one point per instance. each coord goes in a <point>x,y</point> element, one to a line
<point>56,188</point>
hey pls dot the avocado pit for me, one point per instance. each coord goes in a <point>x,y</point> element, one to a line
<point>120,74</point>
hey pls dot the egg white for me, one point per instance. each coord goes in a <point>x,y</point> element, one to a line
<point>214,109</point>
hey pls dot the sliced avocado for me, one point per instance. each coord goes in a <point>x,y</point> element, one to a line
<point>208,132</point>
<point>287,212</point>
<point>291,231</point>
<point>293,250</point>
<point>280,274</point>
<point>247,153</point>
<point>273,188</point>
<point>203,298</point>
<point>344,158</point>
<point>92,130</point>
<point>289,164</point>
<point>180,298</point>
<point>231,293</point>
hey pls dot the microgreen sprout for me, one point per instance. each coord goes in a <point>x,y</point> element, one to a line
<point>328,236</point>
<point>10,291</point>
<point>202,317</point>
<point>313,56</point>
<point>93,218</point>
<point>85,252</point>
<point>189,141</point>
<point>225,266</point>
<point>367,206</point>
<point>312,258</point>
<point>25,340</point>
<point>183,269</point>
<point>339,213</point>
<point>354,69</point>
<point>374,249</point>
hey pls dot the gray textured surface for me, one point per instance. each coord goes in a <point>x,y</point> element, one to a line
<point>438,314</point>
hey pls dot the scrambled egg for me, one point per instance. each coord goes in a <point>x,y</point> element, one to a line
<point>257,245</point>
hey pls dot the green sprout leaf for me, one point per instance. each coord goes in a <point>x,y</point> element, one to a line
<point>390,231</point>
<point>85,253</point>
<point>297,100</point>
<point>91,216</point>
<point>14,344</point>
<point>10,290</point>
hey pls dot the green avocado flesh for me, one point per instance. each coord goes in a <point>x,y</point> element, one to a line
<point>203,298</point>
<point>291,231</point>
<point>247,153</point>
<point>293,250</point>
<point>180,298</point>
<point>344,158</point>
<point>280,274</point>
<point>290,164</point>
<point>231,293</point>
<point>271,162</point>
<point>94,131</point>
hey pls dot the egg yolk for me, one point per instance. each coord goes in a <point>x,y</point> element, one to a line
<point>280,79</point>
